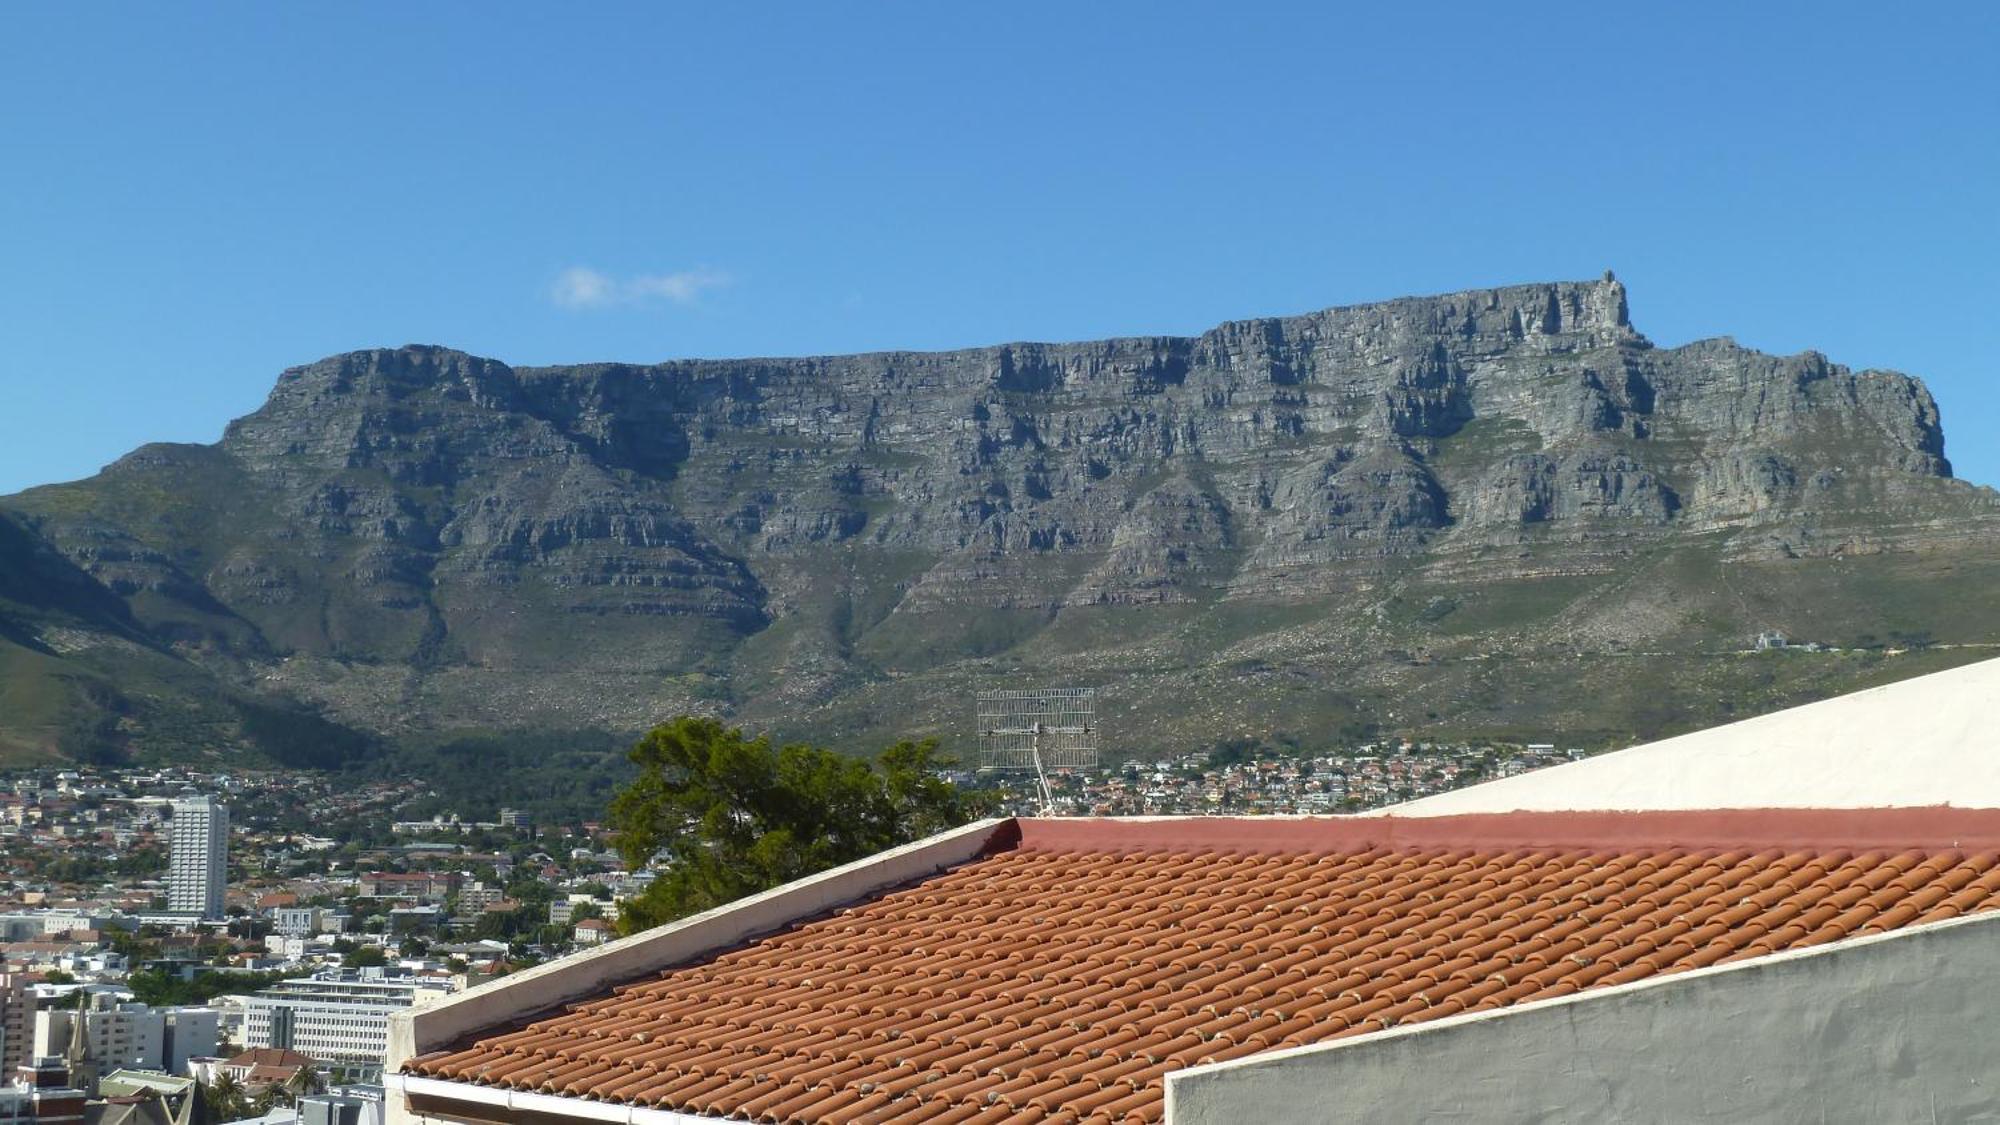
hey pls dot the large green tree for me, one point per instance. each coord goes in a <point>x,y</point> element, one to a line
<point>731,815</point>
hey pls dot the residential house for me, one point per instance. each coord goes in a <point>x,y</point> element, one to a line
<point>1696,934</point>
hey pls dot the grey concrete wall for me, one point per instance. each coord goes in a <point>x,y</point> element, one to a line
<point>1900,1027</point>
<point>415,1031</point>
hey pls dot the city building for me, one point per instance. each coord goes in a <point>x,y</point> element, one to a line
<point>130,1035</point>
<point>17,1023</point>
<point>339,1019</point>
<point>478,896</point>
<point>261,1068</point>
<point>424,887</point>
<point>71,921</point>
<point>198,857</point>
<point>131,1083</point>
<point>343,1105</point>
<point>1789,954</point>
<point>298,921</point>
<point>42,1089</point>
<point>413,919</point>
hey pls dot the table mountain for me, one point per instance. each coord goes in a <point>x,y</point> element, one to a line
<point>1499,511</point>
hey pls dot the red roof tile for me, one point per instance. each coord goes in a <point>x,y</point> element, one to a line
<point>1062,977</point>
<point>268,1056</point>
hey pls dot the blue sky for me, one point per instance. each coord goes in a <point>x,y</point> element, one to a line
<point>193,199</point>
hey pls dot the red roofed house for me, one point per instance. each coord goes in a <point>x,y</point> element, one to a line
<point>421,886</point>
<point>276,900</point>
<point>1661,957</point>
<point>261,1068</point>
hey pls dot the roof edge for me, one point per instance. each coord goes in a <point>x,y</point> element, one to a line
<point>414,1031</point>
<point>1939,826</point>
<point>1585,996</point>
<point>436,1095</point>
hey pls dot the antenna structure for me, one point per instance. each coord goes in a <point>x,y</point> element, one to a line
<point>1039,729</point>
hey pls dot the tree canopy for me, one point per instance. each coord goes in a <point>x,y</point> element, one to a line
<point>365,956</point>
<point>161,989</point>
<point>732,815</point>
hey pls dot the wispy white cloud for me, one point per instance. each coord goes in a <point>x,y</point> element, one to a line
<point>581,287</point>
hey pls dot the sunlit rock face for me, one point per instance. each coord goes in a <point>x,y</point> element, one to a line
<point>420,537</point>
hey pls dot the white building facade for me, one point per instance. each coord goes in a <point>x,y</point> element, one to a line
<point>198,861</point>
<point>132,1036</point>
<point>339,1019</point>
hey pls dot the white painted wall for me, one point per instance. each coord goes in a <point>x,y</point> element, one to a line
<point>1887,1029</point>
<point>1932,740</point>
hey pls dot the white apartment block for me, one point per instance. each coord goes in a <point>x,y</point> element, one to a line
<point>132,1036</point>
<point>341,1019</point>
<point>198,860</point>
<point>300,921</point>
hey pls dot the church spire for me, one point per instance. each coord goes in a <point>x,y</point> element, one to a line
<point>78,1051</point>
<point>190,1112</point>
<point>82,1074</point>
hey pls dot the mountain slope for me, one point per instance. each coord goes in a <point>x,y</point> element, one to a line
<point>82,678</point>
<point>1501,511</point>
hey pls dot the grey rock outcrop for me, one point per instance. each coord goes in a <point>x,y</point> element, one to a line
<point>406,536</point>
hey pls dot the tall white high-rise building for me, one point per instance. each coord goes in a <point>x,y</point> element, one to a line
<point>198,857</point>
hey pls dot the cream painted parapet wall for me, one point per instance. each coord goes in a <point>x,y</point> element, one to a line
<point>1931,740</point>
<point>415,1031</point>
<point>1885,1029</point>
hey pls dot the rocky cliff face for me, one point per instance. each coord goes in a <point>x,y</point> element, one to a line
<point>422,537</point>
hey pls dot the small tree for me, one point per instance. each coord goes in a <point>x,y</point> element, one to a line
<point>734,815</point>
<point>224,1099</point>
<point>303,1082</point>
<point>365,957</point>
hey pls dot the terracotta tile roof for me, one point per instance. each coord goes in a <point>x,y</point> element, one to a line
<point>268,1056</point>
<point>1063,975</point>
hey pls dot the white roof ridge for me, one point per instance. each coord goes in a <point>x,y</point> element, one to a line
<point>1930,741</point>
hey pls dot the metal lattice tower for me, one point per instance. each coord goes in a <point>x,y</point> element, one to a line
<point>1038,729</point>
